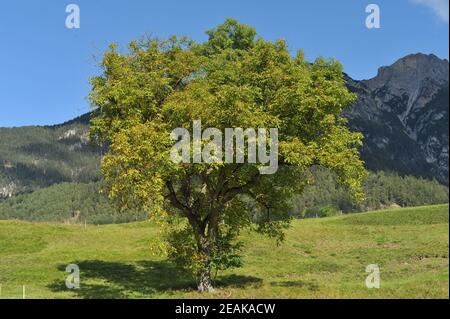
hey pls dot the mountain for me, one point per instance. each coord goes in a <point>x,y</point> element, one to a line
<point>403,114</point>
<point>35,157</point>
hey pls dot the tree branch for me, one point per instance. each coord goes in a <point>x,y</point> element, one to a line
<point>174,199</point>
<point>233,191</point>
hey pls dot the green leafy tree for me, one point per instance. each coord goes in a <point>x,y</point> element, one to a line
<point>233,80</point>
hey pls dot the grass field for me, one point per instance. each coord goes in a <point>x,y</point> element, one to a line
<point>321,258</point>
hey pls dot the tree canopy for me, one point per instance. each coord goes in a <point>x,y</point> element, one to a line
<point>233,80</point>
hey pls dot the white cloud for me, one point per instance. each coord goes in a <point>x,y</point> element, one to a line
<point>439,7</point>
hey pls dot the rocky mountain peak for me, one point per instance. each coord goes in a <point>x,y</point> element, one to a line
<point>403,113</point>
<point>410,72</point>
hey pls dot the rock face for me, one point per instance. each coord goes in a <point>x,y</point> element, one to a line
<point>403,114</point>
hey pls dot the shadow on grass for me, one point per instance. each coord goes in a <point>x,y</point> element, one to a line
<point>102,279</point>
<point>311,286</point>
<point>238,281</point>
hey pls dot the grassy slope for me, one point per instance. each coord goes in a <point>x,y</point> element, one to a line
<point>321,258</point>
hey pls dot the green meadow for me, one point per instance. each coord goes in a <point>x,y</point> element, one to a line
<point>320,258</point>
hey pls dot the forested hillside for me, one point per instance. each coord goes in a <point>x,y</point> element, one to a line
<point>39,156</point>
<point>382,190</point>
<point>66,202</point>
<point>50,172</point>
<point>81,202</point>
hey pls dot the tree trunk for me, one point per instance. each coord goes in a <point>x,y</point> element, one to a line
<point>204,244</point>
<point>204,275</point>
<point>204,281</point>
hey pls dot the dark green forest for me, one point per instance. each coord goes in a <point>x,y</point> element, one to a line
<point>66,202</point>
<point>80,202</point>
<point>382,190</point>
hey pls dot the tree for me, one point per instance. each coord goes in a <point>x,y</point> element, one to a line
<point>233,80</point>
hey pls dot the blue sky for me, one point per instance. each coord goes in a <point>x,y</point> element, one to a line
<point>45,67</point>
